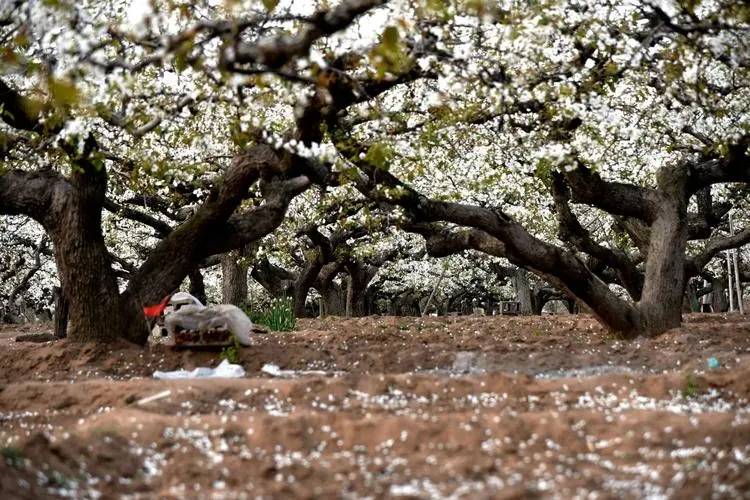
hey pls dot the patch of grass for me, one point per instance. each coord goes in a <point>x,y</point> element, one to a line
<point>13,456</point>
<point>56,478</point>
<point>690,388</point>
<point>611,336</point>
<point>278,316</point>
<point>231,353</point>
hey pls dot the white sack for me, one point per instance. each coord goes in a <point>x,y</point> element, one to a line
<point>200,318</point>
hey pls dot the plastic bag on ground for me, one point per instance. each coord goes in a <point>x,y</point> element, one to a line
<point>224,370</point>
<point>204,318</point>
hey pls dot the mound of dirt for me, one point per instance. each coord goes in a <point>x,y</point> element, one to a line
<point>460,407</point>
<point>541,345</point>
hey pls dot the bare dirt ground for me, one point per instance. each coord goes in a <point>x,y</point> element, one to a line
<point>457,407</point>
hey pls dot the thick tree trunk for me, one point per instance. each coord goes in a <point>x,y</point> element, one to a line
<point>197,286</point>
<point>234,279</point>
<point>719,299</point>
<point>539,298</point>
<point>660,306</point>
<point>523,290</point>
<point>97,310</point>
<point>70,211</point>
<point>356,291</point>
<point>356,299</point>
<point>302,286</point>
<point>61,312</point>
<point>333,299</point>
<point>691,294</point>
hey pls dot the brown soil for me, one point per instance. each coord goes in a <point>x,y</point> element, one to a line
<point>460,407</point>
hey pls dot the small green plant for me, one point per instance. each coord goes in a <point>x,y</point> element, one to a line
<point>231,353</point>
<point>57,478</point>
<point>690,387</point>
<point>12,456</point>
<point>278,316</point>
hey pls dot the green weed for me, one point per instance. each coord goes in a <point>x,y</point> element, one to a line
<point>690,387</point>
<point>231,353</point>
<point>12,456</point>
<point>278,316</point>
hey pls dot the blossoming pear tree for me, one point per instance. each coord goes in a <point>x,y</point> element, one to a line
<point>592,143</point>
<point>80,111</point>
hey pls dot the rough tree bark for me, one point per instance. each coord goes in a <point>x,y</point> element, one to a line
<point>523,291</point>
<point>719,297</point>
<point>359,277</point>
<point>197,286</point>
<point>234,268</point>
<point>332,296</point>
<point>61,312</point>
<point>661,300</point>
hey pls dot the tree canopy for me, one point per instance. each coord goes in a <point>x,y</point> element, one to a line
<point>600,145</point>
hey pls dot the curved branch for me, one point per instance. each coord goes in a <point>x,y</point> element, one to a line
<point>213,228</point>
<point>162,228</point>
<point>573,232</point>
<point>613,197</point>
<point>19,111</point>
<point>713,247</point>
<point>23,285</point>
<point>733,167</point>
<point>277,51</point>
<point>561,268</point>
<point>31,193</point>
<point>441,241</point>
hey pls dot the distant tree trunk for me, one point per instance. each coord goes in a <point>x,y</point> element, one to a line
<point>692,301</point>
<point>61,312</point>
<point>571,305</point>
<point>408,304</point>
<point>198,287</point>
<point>719,299</point>
<point>303,284</point>
<point>356,293</point>
<point>332,300</point>
<point>234,278</point>
<point>523,290</point>
<point>539,298</point>
<point>332,297</point>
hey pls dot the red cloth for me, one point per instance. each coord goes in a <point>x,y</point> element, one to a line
<point>156,309</point>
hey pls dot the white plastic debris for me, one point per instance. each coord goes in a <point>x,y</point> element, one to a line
<point>224,370</point>
<point>180,299</point>
<point>176,302</point>
<point>204,318</point>
<point>155,397</point>
<point>274,371</point>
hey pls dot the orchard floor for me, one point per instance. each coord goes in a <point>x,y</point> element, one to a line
<point>382,407</point>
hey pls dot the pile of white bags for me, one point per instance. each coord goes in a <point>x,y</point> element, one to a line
<point>200,318</point>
